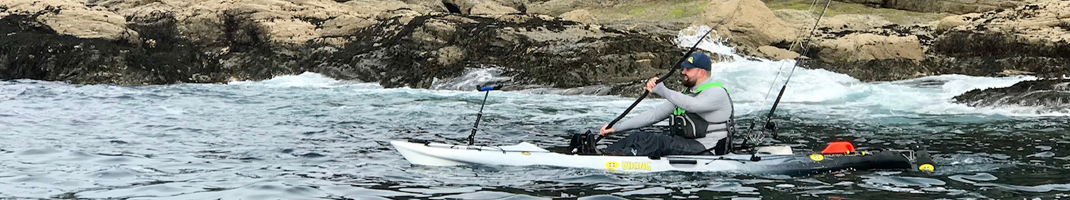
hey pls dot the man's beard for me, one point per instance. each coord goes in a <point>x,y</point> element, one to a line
<point>688,83</point>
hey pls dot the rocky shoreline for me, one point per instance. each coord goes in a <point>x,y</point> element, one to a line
<point>542,44</point>
<point>1046,95</point>
<point>402,49</point>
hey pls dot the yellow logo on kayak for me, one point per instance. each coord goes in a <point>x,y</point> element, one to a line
<point>636,166</point>
<point>817,157</point>
<point>612,165</point>
<point>525,153</point>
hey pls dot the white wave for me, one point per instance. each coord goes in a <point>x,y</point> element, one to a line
<point>306,79</point>
<point>586,90</point>
<point>472,78</point>
<point>754,84</point>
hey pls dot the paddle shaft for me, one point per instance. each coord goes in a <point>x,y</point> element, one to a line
<point>662,78</point>
<point>472,137</point>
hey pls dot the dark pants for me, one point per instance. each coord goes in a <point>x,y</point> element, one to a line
<point>654,144</point>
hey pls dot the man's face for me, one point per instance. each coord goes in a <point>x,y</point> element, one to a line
<point>691,76</point>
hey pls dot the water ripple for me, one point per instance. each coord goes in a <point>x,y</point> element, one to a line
<point>327,139</point>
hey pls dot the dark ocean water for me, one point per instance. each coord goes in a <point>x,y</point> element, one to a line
<point>309,137</point>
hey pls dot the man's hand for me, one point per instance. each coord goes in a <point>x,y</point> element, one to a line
<point>605,131</point>
<point>651,83</point>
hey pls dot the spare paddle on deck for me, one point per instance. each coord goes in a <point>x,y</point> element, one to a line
<point>472,137</point>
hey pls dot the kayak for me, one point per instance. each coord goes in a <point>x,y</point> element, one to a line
<point>767,162</point>
<point>837,156</point>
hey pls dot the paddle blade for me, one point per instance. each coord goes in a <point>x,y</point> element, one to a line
<point>489,88</point>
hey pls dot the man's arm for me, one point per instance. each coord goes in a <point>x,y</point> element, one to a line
<point>697,104</point>
<point>646,118</point>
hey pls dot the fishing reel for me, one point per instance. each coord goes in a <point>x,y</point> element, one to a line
<point>770,129</point>
<point>755,136</point>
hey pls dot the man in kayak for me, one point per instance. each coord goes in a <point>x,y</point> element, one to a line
<point>700,117</point>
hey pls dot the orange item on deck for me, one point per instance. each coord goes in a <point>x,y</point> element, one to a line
<point>839,147</point>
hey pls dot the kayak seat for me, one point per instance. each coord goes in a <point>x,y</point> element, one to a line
<point>723,146</point>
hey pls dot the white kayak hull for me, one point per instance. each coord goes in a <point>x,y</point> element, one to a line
<point>526,154</point>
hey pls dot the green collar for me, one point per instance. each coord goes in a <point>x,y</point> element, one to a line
<point>708,85</point>
<point>680,111</point>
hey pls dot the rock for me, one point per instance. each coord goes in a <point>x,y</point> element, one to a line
<point>658,27</point>
<point>519,5</point>
<point>435,32</point>
<point>33,50</point>
<point>343,26</point>
<point>536,52</point>
<point>437,6</point>
<point>1024,40</point>
<point>581,15</point>
<point>290,31</point>
<point>1014,73</point>
<point>1030,38</point>
<point>485,7</point>
<point>171,41</point>
<point>287,23</point>
<point>953,21</point>
<point>1047,95</point>
<point>750,23</point>
<point>776,53</point>
<point>492,9</point>
<point>867,47</point>
<point>565,35</point>
<point>866,2</point>
<point>226,41</point>
<point>949,6</point>
<point>450,55</point>
<point>557,7</point>
<point>885,53</point>
<point>70,17</point>
<point>916,5</point>
<point>802,20</point>
<point>1040,21</point>
<point>797,19</point>
<point>854,22</point>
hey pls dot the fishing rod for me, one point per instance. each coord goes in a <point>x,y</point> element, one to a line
<point>919,155</point>
<point>769,125</point>
<point>663,77</point>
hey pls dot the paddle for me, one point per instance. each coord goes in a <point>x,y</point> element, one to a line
<point>472,137</point>
<point>663,77</point>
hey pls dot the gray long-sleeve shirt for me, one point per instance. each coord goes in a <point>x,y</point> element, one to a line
<point>712,104</point>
